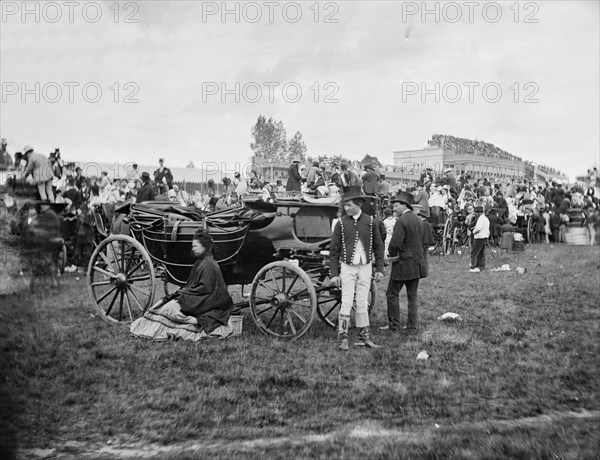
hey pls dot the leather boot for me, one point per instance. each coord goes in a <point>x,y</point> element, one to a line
<point>364,338</point>
<point>343,323</point>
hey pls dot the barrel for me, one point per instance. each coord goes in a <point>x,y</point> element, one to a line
<point>577,236</point>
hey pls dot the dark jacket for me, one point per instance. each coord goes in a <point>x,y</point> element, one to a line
<point>294,181</point>
<point>146,193</point>
<point>428,240</point>
<point>166,173</point>
<point>344,237</point>
<point>370,183</point>
<point>205,295</point>
<point>407,242</point>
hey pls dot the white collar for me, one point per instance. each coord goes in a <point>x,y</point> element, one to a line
<point>358,215</point>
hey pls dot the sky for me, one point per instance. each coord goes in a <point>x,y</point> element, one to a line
<point>135,81</point>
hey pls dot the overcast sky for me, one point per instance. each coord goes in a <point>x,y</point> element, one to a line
<point>371,65</point>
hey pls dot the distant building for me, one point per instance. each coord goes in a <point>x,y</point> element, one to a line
<point>478,166</point>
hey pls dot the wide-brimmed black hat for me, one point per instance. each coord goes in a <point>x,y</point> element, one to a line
<point>405,198</point>
<point>352,192</point>
<point>145,177</point>
<point>478,209</point>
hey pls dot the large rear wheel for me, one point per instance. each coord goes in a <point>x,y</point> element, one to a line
<point>121,279</point>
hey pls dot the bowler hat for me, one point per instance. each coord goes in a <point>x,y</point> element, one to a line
<point>145,177</point>
<point>478,209</point>
<point>352,192</point>
<point>369,167</point>
<point>423,213</point>
<point>296,160</point>
<point>405,198</point>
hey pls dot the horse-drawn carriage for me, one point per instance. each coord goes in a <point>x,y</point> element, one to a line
<point>280,249</point>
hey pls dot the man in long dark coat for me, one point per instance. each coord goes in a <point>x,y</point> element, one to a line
<point>294,182</point>
<point>406,243</point>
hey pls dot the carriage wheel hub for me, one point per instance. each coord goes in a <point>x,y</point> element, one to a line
<point>280,300</point>
<point>121,279</point>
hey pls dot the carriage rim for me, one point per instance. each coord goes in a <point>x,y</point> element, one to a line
<point>278,301</point>
<point>120,280</point>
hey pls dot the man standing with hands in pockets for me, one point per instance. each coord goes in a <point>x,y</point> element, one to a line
<point>355,242</point>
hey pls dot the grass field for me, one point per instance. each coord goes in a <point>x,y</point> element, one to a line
<point>517,378</point>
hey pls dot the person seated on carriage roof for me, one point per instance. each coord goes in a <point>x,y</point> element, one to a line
<point>146,193</point>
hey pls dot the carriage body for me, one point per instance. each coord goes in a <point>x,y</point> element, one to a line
<point>279,248</point>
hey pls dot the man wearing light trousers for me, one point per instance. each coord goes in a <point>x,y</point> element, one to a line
<point>355,244</point>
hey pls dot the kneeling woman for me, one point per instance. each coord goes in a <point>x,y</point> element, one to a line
<point>200,309</point>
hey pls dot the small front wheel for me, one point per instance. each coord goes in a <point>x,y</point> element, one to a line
<point>283,301</point>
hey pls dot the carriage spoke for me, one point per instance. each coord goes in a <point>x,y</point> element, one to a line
<point>300,317</point>
<point>134,269</point>
<point>101,283</point>
<point>281,323</point>
<point>130,261</point>
<point>331,310</point>
<point>121,305</point>
<point>107,294</point>
<point>274,280</point>
<point>283,280</point>
<point>136,299</point>
<point>290,322</point>
<point>272,318</point>
<point>264,311</point>
<point>300,304</point>
<point>104,272</point>
<point>139,278</point>
<point>267,287</point>
<point>107,262</point>
<point>146,293</point>
<point>128,304</point>
<point>123,256</point>
<point>287,293</point>
<point>112,302</point>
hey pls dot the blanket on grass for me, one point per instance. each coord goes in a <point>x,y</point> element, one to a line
<point>165,321</point>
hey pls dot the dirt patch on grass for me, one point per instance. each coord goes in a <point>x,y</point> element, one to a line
<point>366,430</point>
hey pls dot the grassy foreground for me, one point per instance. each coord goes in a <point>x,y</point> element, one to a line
<point>526,350</point>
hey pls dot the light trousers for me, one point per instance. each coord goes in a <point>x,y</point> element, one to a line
<point>356,281</point>
<point>45,191</point>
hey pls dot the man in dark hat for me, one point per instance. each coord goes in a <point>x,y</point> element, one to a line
<point>406,243</point>
<point>370,180</point>
<point>294,182</point>
<point>163,176</point>
<point>146,193</point>
<point>481,233</point>
<point>355,242</point>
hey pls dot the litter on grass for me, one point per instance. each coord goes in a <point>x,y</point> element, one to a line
<point>521,270</point>
<point>450,317</point>
<point>422,356</point>
<point>504,268</point>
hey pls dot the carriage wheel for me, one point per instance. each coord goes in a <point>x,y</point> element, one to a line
<point>529,230</point>
<point>121,279</point>
<point>283,300</point>
<point>329,299</point>
<point>447,237</point>
<point>61,259</point>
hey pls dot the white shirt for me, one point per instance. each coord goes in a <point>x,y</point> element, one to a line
<point>360,256</point>
<point>482,228</point>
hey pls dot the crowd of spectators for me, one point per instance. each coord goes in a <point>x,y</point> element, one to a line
<point>472,147</point>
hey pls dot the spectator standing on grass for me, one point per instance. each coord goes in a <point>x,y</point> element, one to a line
<point>40,169</point>
<point>294,180</point>
<point>355,242</point>
<point>370,180</point>
<point>481,233</point>
<point>389,220</point>
<point>407,244</point>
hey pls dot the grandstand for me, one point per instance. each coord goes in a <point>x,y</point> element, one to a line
<point>476,158</point>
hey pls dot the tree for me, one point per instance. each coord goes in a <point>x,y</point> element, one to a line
<point>369,160</point>
<point>297,148</point>
<point>269,139</point>
<point>190,165</point>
